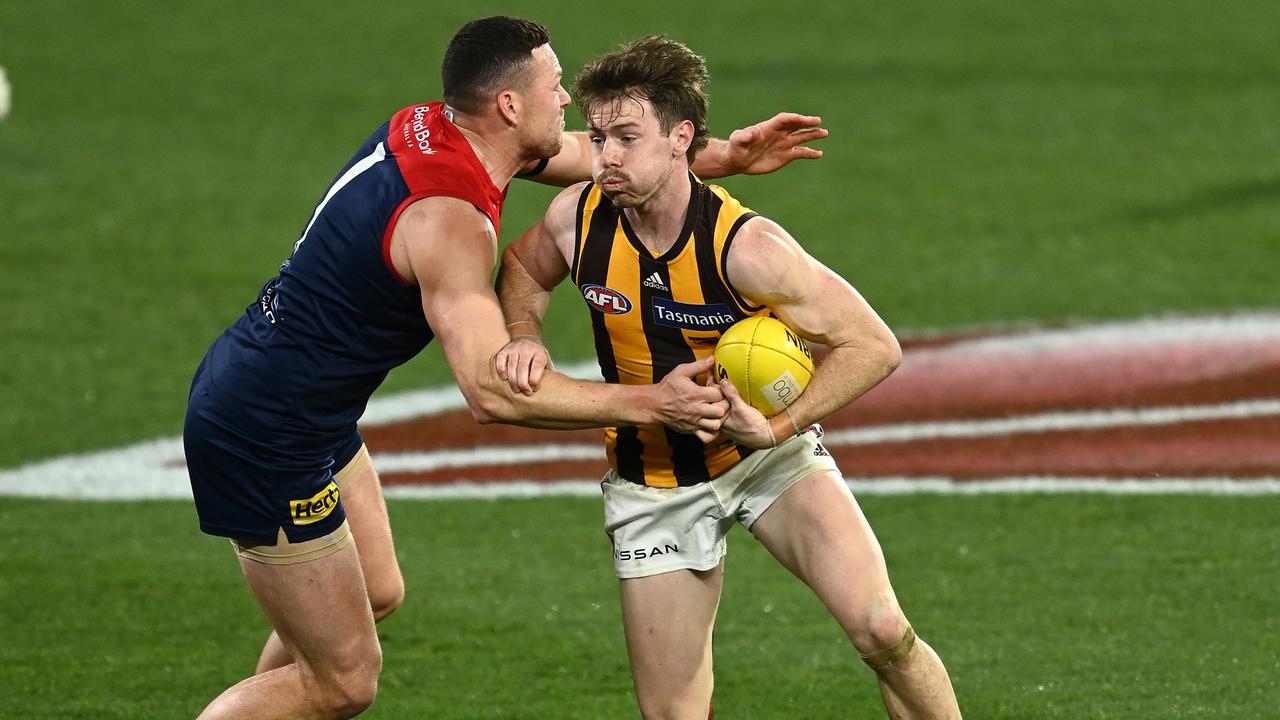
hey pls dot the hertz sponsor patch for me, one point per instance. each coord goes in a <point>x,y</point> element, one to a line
<point>315,508</point>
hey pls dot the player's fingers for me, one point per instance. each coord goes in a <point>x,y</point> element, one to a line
<point>693,369</point>
<point>796,119</point>
<point>522,377</point>
<point>731,393</point>
<point>723,407</point>
<point>716,410</point>
<point>536,370</point>
<point>800,152</point>
<point>513,372</point>
<point>800,137</point>
<point>500,363</point>
<point>515,369</point>
<point>709,424</point>
<point>705,437</point>
<point>706,395</point>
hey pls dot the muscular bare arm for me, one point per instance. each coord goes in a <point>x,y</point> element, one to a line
<point>448,248</point>
<point>531,268</point>
<point>768,267</point>
<point>753,150</point>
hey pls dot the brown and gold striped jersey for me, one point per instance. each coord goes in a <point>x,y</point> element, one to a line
<point>650,314</point>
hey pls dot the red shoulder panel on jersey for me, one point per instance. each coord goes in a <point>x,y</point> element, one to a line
<point>435,159</point>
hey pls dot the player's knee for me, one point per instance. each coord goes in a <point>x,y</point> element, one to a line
<point>882,636</point>
<point>887,642</point>
<point>350,690</point>
<point>386,597</point>
<point>666,711</point>
<point>671,707</point>
<point>354,692</point>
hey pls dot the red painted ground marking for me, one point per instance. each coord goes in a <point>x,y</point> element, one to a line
<point>1229,448</point>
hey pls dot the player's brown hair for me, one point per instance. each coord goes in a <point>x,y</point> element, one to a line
<point>655,68</point>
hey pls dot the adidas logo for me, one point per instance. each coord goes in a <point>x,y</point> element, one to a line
<point>821,452</point>
<point>654,281</point>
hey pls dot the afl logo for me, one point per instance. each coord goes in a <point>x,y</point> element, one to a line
<point>606,300</point>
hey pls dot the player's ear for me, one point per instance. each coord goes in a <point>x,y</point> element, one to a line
<point>681,138</point>
<point>507,102</point>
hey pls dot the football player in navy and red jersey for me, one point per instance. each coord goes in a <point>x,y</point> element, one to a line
<point>398,251</point>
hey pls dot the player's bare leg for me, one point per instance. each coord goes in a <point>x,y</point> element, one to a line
<point>320,612</point>
<point>371,529</point>
<point>818,532</point>
<point>671,651</point>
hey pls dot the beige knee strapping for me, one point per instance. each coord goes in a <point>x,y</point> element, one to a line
<point>887,658</point>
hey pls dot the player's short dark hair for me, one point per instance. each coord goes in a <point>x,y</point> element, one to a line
<point>655,68</point>
<point>484,56</point>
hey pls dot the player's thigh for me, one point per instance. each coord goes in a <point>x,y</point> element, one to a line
<point>818,532</point>
<point>667,620</point>
<point>371,528</point>
<point>320,611</point>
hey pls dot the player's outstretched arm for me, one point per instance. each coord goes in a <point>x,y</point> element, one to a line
<point>761,148</point>
<point>449,250</point>
<point>768,267</point>
<point>753,150</point>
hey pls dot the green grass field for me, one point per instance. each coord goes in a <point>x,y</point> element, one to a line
<point>989,164</point>
<point>1042,607</point>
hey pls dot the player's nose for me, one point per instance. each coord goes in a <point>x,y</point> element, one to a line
<point>610,154</point>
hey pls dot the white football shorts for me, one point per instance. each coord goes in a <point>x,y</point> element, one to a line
<point>658,530</point>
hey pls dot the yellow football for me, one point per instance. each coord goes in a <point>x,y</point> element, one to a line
<point>766,361</point>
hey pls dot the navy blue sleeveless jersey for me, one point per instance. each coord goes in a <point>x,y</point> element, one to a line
<point>286,383</point>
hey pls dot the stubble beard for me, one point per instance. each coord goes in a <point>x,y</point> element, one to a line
<point>549,146</point>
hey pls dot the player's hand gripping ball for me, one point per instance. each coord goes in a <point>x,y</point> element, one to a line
<point>766,361</point>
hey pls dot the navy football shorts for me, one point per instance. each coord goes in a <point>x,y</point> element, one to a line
<point>248,488</point>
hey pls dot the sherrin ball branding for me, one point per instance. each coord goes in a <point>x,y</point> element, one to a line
<point>766,361</point>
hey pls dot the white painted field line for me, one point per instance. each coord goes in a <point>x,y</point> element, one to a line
<point>486,456</point>
<point>143,471</point>
<point>1214,329</point>
<point>1052,422</point>
<point>1041,484</point>
<point>886,486</point>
